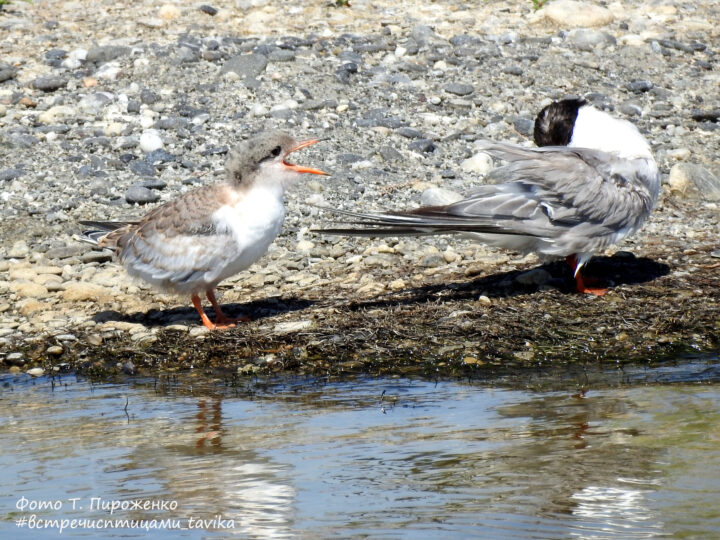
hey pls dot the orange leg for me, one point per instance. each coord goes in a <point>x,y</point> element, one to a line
<point>220,317</point>
<point>198,307</point>
<point>579,282</point>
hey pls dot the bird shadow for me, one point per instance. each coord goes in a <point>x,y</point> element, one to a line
<point>621,269</point>
<point>256,310</point>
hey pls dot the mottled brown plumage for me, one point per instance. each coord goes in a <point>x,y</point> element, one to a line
<point>190,244</point>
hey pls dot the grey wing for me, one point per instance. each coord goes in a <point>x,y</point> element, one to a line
<point>550,190</point>
<point>176,242</point>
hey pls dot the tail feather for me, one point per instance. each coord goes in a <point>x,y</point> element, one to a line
<point>100,229</point>
<point>427,220</point>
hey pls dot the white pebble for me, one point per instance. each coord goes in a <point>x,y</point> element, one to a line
<point>150,140</point>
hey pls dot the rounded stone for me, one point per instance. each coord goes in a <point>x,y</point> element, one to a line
<point>150,140</point>
<point>571,13</point>
<point>137,194</point>
<point>480,163</point>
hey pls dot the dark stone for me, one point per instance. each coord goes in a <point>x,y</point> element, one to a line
<point>186,54</point>
<point>247,66</point>
<point>133,106</point>
<point>11,174</point>
<point>673,44</point>
<point>389,153</point>
<point>381,118</point>
<point>128,368</point>
<point>188,111</point>
<point>281,55</point>
<point>630,108</point>
<point>6,72</point>
<point>343,73</point>
<point>23,140</point>
<point>172,122</point>
<point>106,53</point>
<point>513,70</point>
<point>350,56</point>
<point>65,252</point>
<point>160,156</point>
<point>148,97</point>
<point>49,83</point>
<point>349,158</point>
<point>152,183</point>
<point>524,125</point>
<point>54,57</point>
<point>212,56</point>
<point>97,141</point>
<point>410,133</point>
<point>639,87</point>
<point>705,116</point>
<point>459,41</point>
<point>137,194</point>
<point>215,150</point>
<point>142,168</point>
<point>459,89</point>
<point>422,34</point>
<point>423,145</point>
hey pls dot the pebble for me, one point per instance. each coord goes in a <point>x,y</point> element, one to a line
<point>587,39</point>
<point>536,276</point>
<point>138,194</point>
<point>26,289</point>
<point>700,115</point>
<point>15,359</point>
<point>436,196</point>
<point>292,326</point>
<point>570,13</point>
<point>169,12</point>
<point>480,163</point>
<point>10,174</point>
<point>639,87</point>
<point>247,66</point>
<point>305,245</point>
<point>78,291</point>
<point>150,141</point>
<point>54,350</point>
<point>106,53</point>
<point>142,168</point>
<point>36,372</point>
<point>693,181</point>
<point>49,83</point>
<point>422,145</point>
<point>459,89</point>
<point>210,10</point>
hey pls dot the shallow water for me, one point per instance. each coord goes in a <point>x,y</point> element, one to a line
<point>631,454</point>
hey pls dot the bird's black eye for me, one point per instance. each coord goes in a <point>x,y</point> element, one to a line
<point>275,152</point>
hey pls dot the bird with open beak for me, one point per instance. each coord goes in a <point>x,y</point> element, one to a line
<point>190,244</point>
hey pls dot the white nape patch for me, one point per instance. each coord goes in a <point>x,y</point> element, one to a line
<point>599,131</point>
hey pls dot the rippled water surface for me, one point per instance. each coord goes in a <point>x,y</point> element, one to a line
<point>620,455</point>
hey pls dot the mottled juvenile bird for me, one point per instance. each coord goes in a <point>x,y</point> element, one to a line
<point>190,244</point>
<point>593,182</point>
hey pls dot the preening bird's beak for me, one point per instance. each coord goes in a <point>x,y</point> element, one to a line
<point>300,168</point>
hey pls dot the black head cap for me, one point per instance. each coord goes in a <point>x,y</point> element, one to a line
<point>554,124</point>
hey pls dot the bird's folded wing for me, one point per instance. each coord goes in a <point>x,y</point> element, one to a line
<point>544,192</point>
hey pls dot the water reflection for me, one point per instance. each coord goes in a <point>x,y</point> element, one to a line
<point>377,457</point>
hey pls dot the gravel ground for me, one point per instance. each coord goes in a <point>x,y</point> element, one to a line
<point>106,110</point>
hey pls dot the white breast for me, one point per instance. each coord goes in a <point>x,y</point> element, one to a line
<point>253,221</point>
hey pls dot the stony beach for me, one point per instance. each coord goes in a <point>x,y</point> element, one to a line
<point>108,109</point>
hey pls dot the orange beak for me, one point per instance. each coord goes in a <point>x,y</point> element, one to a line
<point>300,168</point>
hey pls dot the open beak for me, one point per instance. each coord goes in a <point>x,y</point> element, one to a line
<point>300,168</point>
